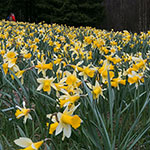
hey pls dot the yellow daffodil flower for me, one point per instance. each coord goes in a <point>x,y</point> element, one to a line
<point>135,78</point>
<point>20,112</point>
<point>19,74</point>
<point>96,90</point>
<point>64,121</point>
<point>67,98</point>
<point>116,81</point>
<point>103,71</point>
<point>27,143</point>
<point>71,79</point>
<point>5,68</point>
<point>42,66</point>
<point>27,56</point>
<point>87,72</point>
<point>46,84</point>
<point>76,67</point>
<point>10,55</point>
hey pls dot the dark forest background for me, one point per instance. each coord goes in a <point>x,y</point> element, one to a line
<point>131,15</point>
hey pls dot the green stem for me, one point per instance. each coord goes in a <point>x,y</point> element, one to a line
<point>26,130</point>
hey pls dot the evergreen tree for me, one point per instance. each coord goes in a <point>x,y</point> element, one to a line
<point>5,7</point>
<point>71,12</point>
<point>24,10</point>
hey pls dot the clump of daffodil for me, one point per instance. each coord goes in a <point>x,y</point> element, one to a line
<point>89,55</point>
<point>76,67</point>
<point>23,112</point>
<point>10,55</point>
<point>140,63</point>
<point>62,122</point>
<point>68,98</point>
<point>113,59</point>
<point>57,60</point>
<point>19,74</point>
<point>25,54</point>
<point>43,67</point>
<point>104,71</point>
<point>5,68</point>
<point>98,43</point>
<point>60,86</point>
<point>10,62</point>
<point>77,49</point>
<point>116,81</point>
<point>46,84</point>
<point>104,49</point>
<point>2,52</point>
<point>96,90</point>
<point>71,79</point>
<point>27,143</point>
<point>87,72</point>
<point>136,78</point>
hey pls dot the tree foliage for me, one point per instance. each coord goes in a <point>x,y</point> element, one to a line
<point>70,12</point>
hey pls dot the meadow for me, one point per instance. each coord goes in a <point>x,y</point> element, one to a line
<point>67,88</point>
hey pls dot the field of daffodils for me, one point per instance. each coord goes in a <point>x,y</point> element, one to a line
<point>67,88</point>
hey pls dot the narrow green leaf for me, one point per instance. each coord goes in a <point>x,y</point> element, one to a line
<point>98,116</point>
<point>128,135</point>
<point>111,103</point>
<point>138,137</point>
<point>7,109</point>
<point>21,131</point>
<point>88,91</point>
<point>47,97</point>
<point>1,147</point>
<point>7,142</point>
<point>21,86</point>
<point>13,87</point>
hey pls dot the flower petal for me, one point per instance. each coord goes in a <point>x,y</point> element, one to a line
<point>59,129</point>
<point>67,130</point>
<point>40,87</point>
<point>23,142</point>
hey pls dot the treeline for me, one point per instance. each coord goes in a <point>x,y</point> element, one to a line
<point>132,15</point>
<point>69,12</point>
